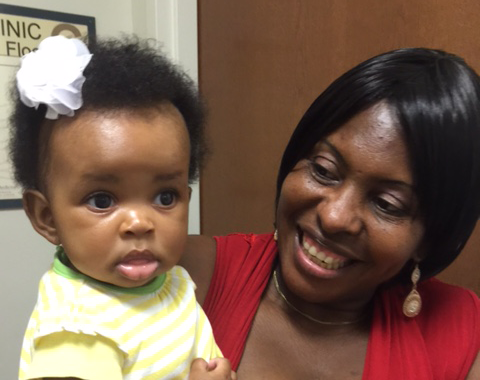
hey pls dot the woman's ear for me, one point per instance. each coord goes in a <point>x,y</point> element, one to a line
<point>421,251</point>
<point>420,255</point>
<point>40,214</point>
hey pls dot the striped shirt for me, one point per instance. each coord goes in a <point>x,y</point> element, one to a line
<point>158,328</point>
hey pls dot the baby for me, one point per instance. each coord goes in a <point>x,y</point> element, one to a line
<point>104,144</point>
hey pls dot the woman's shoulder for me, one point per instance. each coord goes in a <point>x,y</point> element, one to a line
<point>450,325</point>
<point>204,255</point>
<point>449,312</point>
<point>449,300</point>
<point>445,336</point>
<point>199,261</point>
<point>440,299</point>
<point>243,242</point>
<point>245,252</point>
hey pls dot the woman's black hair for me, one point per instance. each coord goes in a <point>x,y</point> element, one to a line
<point>436,99</point>
<point>123,74</point>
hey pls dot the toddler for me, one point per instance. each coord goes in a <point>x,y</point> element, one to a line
<point>105,141</point>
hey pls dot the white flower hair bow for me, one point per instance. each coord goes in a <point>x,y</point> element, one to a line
<point>53,75</point>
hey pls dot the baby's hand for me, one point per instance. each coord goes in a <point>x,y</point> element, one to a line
<point>215,369</point>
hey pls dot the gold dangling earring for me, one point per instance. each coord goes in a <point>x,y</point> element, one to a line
<point>275,235</point>
<point>413,303</point>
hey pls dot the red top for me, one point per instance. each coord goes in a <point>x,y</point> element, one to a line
<point>440,343</point>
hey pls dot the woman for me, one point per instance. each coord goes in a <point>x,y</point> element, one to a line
<point>378,191</point>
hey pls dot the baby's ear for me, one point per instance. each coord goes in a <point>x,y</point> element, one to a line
<point>40,214</point>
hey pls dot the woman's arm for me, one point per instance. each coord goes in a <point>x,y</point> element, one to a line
<point>199,260</point>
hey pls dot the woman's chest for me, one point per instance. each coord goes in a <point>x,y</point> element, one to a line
<point>279,349</point>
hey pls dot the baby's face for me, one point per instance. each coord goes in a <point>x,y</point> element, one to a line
<point>117,185</point>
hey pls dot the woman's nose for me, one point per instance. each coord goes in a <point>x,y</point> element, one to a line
<point>137,221</point>
<point>340,210</point>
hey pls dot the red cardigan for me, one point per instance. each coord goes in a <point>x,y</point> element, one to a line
<point>440,343</point>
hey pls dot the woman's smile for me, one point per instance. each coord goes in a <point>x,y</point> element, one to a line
<point>323,257</point>
<point>347,212</point>
<point>318,258</point>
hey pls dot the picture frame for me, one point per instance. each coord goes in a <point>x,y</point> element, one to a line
<point>21,30</point>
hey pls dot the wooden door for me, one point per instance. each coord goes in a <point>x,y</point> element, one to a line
<point>262,62</point>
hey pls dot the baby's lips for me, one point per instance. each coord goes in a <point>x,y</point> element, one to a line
<point>138,269</point>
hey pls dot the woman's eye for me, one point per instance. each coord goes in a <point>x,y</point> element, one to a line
<point>165,198</point>
<point>323,172</point>
<point>100,201</point>
<point>390,208</point>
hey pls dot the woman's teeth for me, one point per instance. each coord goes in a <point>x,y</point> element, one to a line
<point>321,259</point>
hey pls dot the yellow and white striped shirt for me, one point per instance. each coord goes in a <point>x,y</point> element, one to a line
<point>157,329</point>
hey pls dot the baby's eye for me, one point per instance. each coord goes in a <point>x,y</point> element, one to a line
<point>165,198</point>
<point>100,201</point>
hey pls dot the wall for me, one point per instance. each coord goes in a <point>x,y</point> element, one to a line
<point>25,255</point>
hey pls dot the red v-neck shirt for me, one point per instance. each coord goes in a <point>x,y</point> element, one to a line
<point>440,343</point>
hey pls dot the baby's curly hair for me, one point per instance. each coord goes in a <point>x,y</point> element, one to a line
<point>124,74</point>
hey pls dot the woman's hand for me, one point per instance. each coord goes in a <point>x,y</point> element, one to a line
<point>215,369</point>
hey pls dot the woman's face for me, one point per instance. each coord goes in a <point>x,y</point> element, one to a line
<point>347,214</point>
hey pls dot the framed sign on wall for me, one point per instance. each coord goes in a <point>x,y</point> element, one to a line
<point>21,30</point>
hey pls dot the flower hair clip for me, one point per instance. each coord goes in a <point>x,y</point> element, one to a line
<point>53,75</point>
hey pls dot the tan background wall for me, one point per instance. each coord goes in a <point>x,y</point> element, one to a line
<point>263,62</point>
